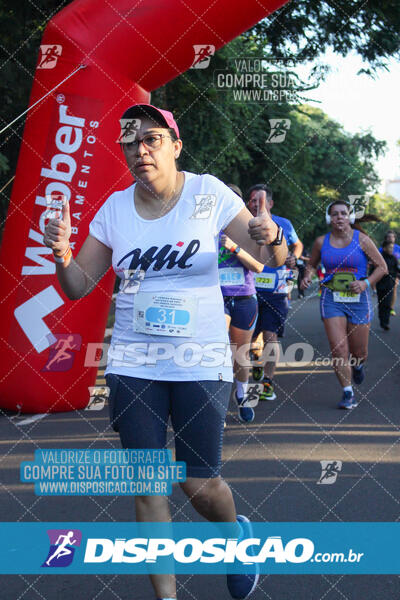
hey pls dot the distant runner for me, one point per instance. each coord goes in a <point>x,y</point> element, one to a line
<point>386,286</point>
<point>346,307</point>
<point>390,237</point>
<point>236,277</point>
<point>272,292</point>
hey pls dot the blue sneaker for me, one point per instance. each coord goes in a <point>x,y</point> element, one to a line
<point>358,374</point>
<point>246,413</point>
<point>347,402</point>
<point>241,585</point>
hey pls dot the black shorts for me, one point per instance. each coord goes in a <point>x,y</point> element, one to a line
<point>140,409</point>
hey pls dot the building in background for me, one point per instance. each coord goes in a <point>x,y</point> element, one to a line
<point>392,188</point>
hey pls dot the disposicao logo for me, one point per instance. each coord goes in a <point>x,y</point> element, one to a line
<point>191,550</point>
<point>62,547</point>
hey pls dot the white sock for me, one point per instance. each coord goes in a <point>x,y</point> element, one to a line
<point>348,388</point>
<point>241,388</point>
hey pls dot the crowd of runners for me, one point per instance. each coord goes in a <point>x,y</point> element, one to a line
<point>188,250</point>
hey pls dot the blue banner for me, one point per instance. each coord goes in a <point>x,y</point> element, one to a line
<point>138,548</point>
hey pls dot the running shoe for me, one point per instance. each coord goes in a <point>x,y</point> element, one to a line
<point>347,402</point>
<point>246,413</point>
<point>258,373</point>
<point>241,585</point>
<point>358,374</point>
<point>268,391</point>
<point>393,313</point>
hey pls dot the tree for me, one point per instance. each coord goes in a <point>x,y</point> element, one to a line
<point>227,138</point>
<point>315,162</point>
<point>307,28</point>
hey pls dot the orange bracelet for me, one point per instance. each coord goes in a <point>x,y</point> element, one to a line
<point>64,258</point>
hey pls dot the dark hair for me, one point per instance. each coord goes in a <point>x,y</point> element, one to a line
<point>336,202</point>
<point>260,186</point>
<point>172,133</point>
<point>389,232</point>
<point>235,189</point>
<point>369,218</point>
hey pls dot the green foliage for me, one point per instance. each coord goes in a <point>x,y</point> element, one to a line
<point>228,138</point>
<point>307,28</point>
<point>317,162</point>
<point>388,210</point>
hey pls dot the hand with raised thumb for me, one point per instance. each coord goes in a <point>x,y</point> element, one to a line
<point>58,231</point>
<point>262,228</point>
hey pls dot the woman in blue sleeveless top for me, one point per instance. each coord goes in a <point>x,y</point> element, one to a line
<point>345,303</point>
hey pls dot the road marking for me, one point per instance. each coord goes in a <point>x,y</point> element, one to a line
<point>32,419</point>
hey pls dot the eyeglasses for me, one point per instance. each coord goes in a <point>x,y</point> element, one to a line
<point>151,141</point>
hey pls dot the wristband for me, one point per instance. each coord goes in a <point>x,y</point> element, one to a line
<point>237,250</point>
<point>367,282</point>
<point>234,247</point>
<point>64,258</point>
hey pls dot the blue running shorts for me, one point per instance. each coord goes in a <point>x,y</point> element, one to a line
<point>272,312</point>
<point>140,409</point>
<point>358,313</point>
<point>242,310</point>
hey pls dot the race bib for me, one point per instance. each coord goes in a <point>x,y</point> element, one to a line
<point>266,281</point>
<point>165,314</point>
<point>345,297</point>
<point>231,276</point>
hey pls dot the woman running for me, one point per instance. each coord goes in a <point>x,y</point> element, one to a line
<point>236,268</point>
<point>345,303</point>
<point>160,235</point>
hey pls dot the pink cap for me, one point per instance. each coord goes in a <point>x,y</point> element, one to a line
<point>148,110</point>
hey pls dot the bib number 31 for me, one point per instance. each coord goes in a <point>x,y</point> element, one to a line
<point>165,314</point>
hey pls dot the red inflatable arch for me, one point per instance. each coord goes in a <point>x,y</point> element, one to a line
<point>117,52</point>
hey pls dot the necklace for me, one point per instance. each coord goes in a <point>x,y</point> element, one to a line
<point>164,206</point>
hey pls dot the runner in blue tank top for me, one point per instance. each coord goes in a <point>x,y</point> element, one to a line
<point>346,307</point>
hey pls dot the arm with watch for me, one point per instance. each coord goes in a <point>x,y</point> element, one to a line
<point>244,257</point>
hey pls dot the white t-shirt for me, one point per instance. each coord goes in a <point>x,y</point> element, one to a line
<point>169,319</point>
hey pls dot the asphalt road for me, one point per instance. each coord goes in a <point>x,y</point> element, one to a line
<point>272,464</point>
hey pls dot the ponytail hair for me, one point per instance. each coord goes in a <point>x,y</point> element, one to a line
<point>369,218</point>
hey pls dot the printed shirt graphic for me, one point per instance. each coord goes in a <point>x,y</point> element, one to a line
<point>279,274</point>
<point>179,255</point>
<point>228,260</point>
